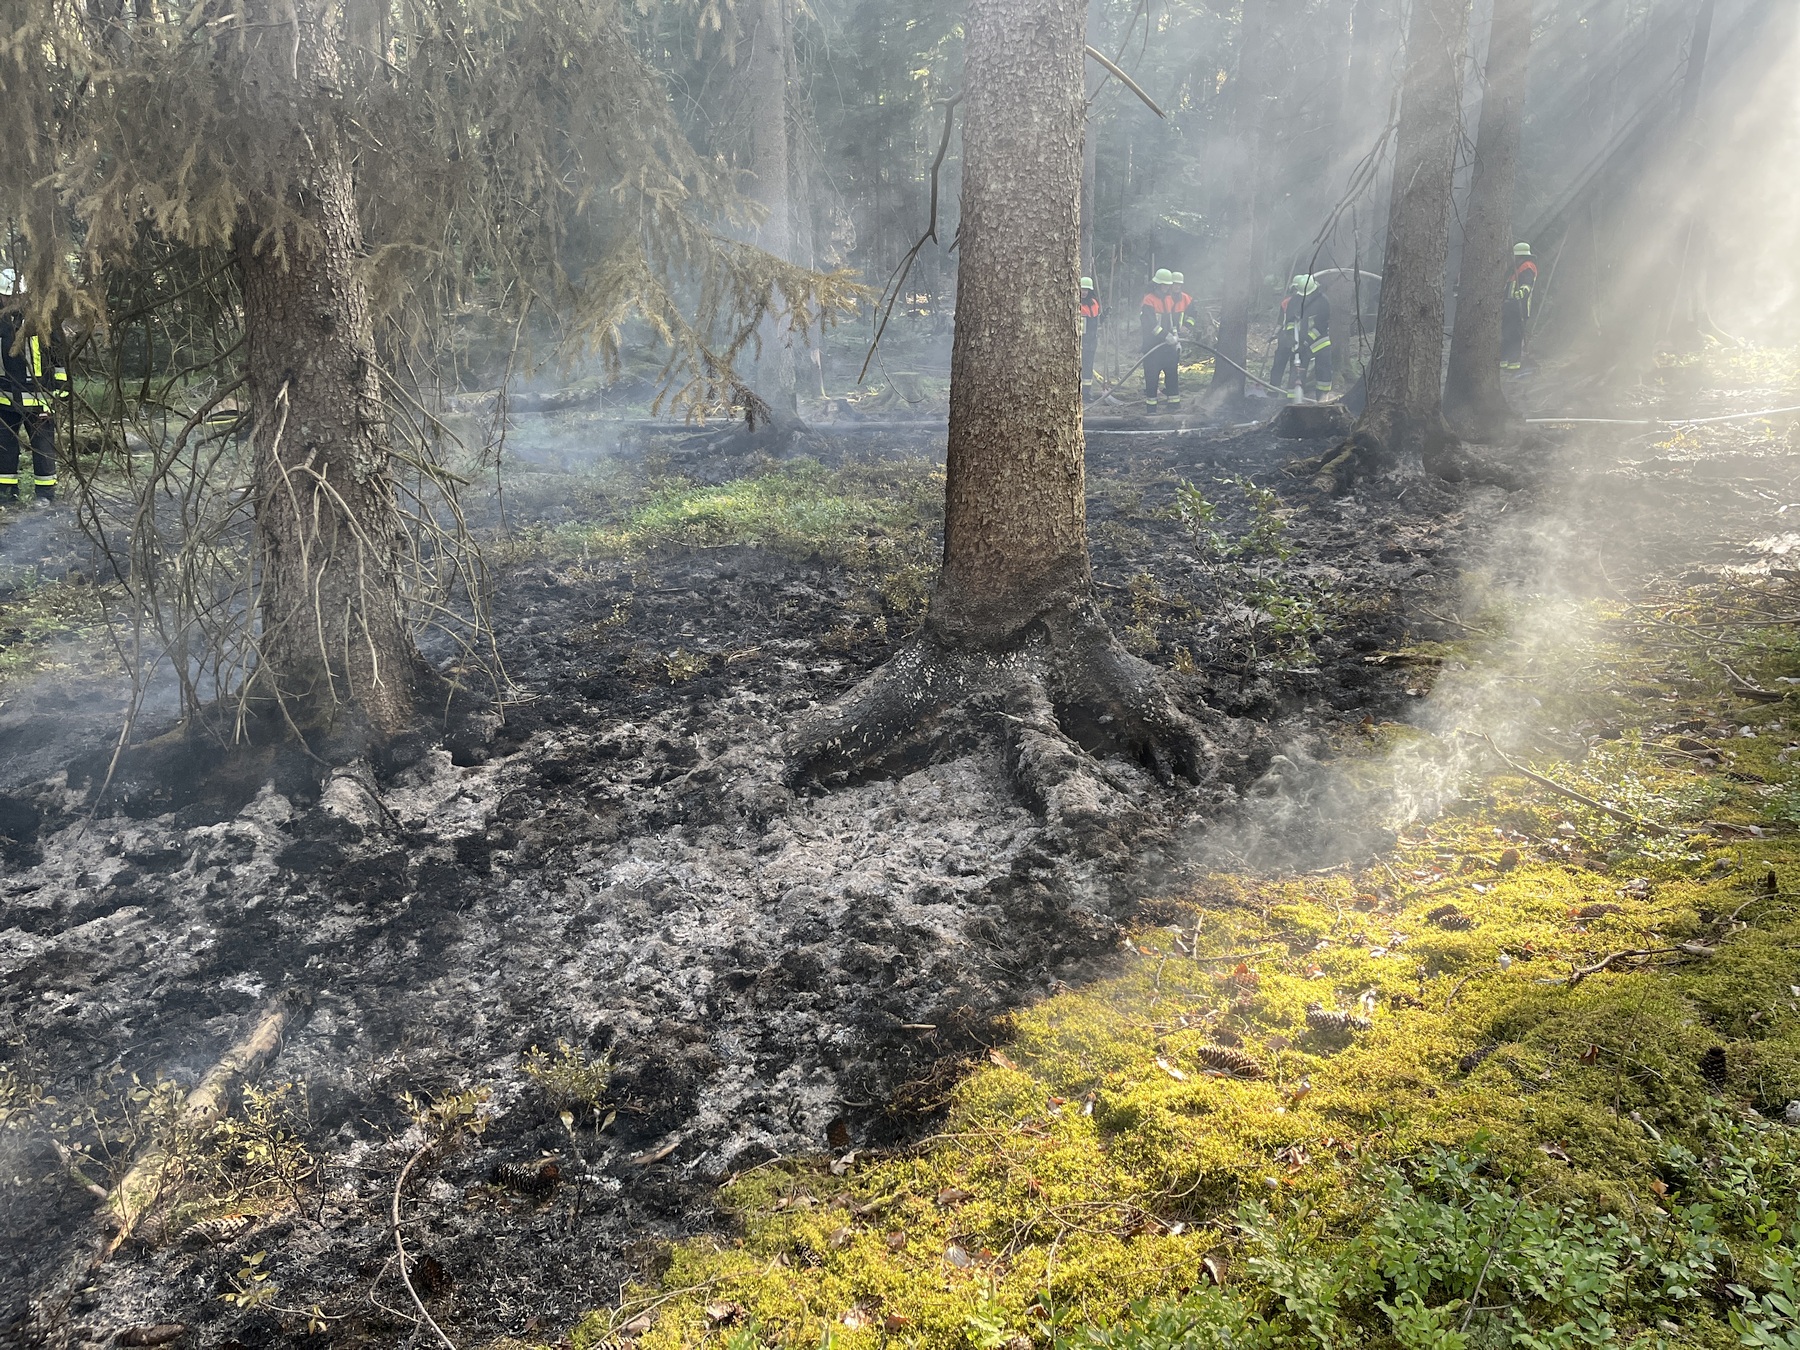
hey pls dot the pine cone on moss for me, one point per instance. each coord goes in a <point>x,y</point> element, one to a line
<point>1320,1018</point>
<point>1226,1059</point>
<point>1451,918</point>
<point>1714,1067</point>
<point>1475,1058</point>
<point>1595,911</point>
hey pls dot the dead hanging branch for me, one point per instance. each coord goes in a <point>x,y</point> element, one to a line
<point>897,279</point>
<point>1112,68</point>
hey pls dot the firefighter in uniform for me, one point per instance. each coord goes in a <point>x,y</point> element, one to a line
<point>1183,303</point>
<point>1160,321</point>
<point>29,384</point>
<point>1090,330</point>
<point>1304,347</point>
<point>1517,313</point>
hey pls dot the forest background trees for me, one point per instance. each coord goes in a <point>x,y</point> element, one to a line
<point>865,119</point>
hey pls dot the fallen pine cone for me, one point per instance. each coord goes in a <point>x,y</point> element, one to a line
<point>163,1333</point>
<point>535,1179</point>
<point>220,1230</point>
<point>1229,1060</point>
<point>1451,918</point>
<point>1596,911</point>
<point>1473,1060</point>
<point>1331,1019</point>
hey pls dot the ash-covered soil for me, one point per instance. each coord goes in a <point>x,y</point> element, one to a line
<point>614,866</point>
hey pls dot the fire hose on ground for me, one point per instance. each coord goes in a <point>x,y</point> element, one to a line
<point>1176,343</point>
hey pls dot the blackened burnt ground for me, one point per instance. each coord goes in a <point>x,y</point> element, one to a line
<point>615,867</point>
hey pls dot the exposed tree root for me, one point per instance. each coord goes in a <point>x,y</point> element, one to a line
<point>1060,693</point>
<point>1364,453</point>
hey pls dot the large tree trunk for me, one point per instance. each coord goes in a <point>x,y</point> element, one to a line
<point>1474,400</point>
<point>1015,526</point>
<point>1014,636</point>
<point>1404,409</point>
<point>1243,169</point>
<point>335,650</point>
<point>766,73</point>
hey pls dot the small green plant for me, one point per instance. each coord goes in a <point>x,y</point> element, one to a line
<point>449,1116</point>
<point>1770,1320</point>
<point>251,1287</point>
<point>568,1078</point>
<point>1267,535</point>
<point>1200,518</point>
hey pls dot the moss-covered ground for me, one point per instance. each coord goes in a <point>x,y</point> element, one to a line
<point>1523,1079</point>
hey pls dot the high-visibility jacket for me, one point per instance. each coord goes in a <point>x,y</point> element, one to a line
<point>1523,282</point>
<point>28,377</point>
<point>1160,318</point>
<point>1090,311</point>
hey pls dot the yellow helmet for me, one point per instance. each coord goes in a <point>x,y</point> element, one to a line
<point>1521,250</point>
<point>1163,277</point>
<point>1087,283</point>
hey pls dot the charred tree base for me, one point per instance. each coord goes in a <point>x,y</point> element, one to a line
<point>1059,695</point>
<point>1370,450</point>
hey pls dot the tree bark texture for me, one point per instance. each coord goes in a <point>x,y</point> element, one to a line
<point>1015,524</point>
<point>1242,206</point>
<point>1404,408</point>
<point>1474,400</point>
<point>766,73</point>
<point>334,646</point>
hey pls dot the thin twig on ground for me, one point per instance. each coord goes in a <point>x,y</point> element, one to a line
<point>400,1245</point>
<point>1623,817</point>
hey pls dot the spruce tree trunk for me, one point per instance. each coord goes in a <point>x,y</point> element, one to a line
<point>334,646</point>
<point>1243,172</point>
<point>1014,638</point>
<point>770,57</point>
<point>1474,400</point>
<point>1404,408</point>
<point>1015,524</point>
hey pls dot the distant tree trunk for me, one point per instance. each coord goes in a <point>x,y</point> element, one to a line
<point>1404,409</point>
<point>1244,173</point>
<point>1474,401</point>
<point>1014,621</point>
<point>1689,322</point>
<point>334,646</point>
<point>771,41</point>
<point>1090,151</point>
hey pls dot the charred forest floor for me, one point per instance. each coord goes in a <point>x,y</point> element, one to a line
<point>586,959</point>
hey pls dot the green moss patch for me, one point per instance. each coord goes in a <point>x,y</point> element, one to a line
<point>802,510</point>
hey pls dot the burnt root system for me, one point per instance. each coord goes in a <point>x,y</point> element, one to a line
<point>1063,698</point>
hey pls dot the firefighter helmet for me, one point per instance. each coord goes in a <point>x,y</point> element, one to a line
<point>1521,250</point>
<point>1163,277</point>
<point>1087,283</point>
<point>1178,279</point>
<point>1303,285</point>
